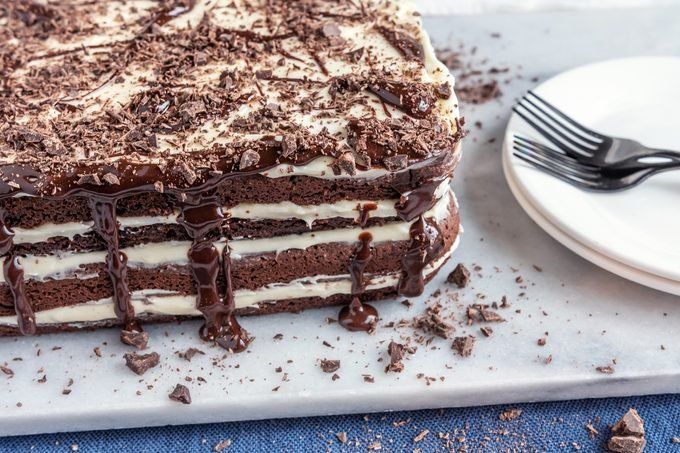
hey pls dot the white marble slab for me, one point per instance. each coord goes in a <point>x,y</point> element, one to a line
<point>591,316</point>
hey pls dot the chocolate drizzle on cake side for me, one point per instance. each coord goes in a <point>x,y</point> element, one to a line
<point>203,220</point>
<point>357,315</point>
<point>105,224</point>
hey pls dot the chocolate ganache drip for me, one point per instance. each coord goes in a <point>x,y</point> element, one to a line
<point>357,315</point>
<point>425,238</point>
<point>14,277</point>
<point>106,225</point>
<point>203,220</point>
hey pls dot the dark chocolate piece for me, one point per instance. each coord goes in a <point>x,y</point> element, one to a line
<point>330,366</point>
<point>460,276</point>
<point>141,363</point>
<point>464,345</point>
<point>180,394</point>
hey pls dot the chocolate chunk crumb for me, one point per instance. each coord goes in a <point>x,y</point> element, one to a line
<point>512,413</point>
<point>190,353</point>
<point>8,371</point>
<point>248,159</point>
<point>631,424</point>
<point>222,445</point>
<point>592,432</point>
<point>606,369</point>
<point>486,331</point>
<point>335,377</point>
<point>111,179</point>
<point>464,345</point>
<point>432,322</point>
<point>541,341</point>
<point>421,435</point>
<point>396,352</point>
<point>135,338</point>
<point>330,366</point>
<point>628,434</point>
<point>394,163</point>
<point>141,363</point>
<point>368,378</point>
<point>626,444</point>
<point>181,394</point>
<point>460,276</point>
<point>289,145</point>
<point>342,437</point>
<point>346,163</point>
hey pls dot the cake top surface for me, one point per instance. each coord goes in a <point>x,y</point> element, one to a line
<point>93,91</point>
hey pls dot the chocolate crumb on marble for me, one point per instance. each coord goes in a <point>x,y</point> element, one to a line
<point>190,353</point>
<point>329,366</point>
<point>460,276</point>
<point>141,363</point>
<point>397,352</point>
<point>135,338</point>
<point>180,394</point>
<point>605,369</point>
<point>463,345</point>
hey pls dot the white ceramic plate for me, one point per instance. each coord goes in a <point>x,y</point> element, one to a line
<point>616,267</point>
<point>636,98</point>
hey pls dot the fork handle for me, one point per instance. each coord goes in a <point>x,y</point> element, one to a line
<point>672,157</point>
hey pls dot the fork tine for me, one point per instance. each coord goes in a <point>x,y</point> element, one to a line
<point>567,118</point>
<point>560,122</point>
<point>573,181</point>
<point>550,152</point>
<point>547,134</point>
<point>568,169</point>
<point>552,133</point>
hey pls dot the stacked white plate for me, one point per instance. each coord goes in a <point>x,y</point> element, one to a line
<point>634,233</point>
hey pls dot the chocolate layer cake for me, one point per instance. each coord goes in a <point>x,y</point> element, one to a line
<point>170,159</point>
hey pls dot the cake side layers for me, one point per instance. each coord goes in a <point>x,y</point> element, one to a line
<point>307,292</point>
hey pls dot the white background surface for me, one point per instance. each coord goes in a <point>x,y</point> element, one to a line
<point>591,316</point>
<point>442,7</point>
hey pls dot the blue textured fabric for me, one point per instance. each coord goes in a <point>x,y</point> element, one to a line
<point>541,427</point>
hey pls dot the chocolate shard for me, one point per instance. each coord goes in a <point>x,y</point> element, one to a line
<point>464,345</point>
<point>111,179</point>
<point>347,163</point>
<point>180,394</point>
<point>330,29</point>
<point>330,366</point>
<point>190,353</point>
<point>626,444</point>
<point>135,338</point>
<point>631,424</point>
<point>249,158</point>
<point>141,363</point>
<point>460,276</point>
<point>512,413</point>
<point>289,145</point>
<point>397,351</point>
<point>394,163</point>
<point>407,45</point>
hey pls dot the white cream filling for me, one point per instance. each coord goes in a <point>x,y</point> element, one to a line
<point>163,302</point>
<point>60,265</point>
<point>247,211</point>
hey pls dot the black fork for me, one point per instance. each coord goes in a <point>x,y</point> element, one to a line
<point>585,176</point>
<point>583,144</point>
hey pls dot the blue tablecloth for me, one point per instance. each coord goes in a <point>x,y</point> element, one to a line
<point>540,427</point>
